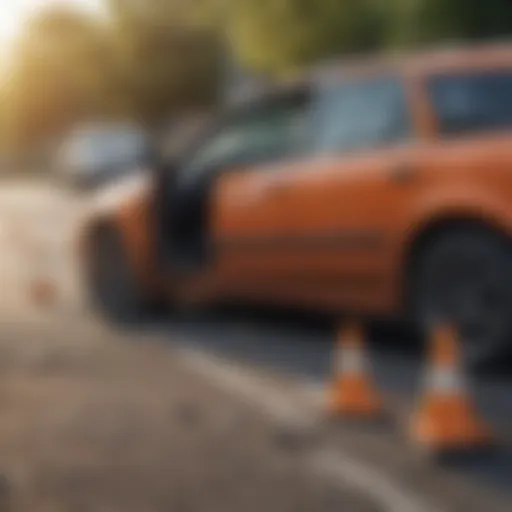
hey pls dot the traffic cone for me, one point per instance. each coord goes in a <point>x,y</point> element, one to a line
<point>353,394</point>
<point>445,421</point>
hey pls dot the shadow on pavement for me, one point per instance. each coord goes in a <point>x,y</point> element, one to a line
<point>494,469</point>
<point>301,345</point>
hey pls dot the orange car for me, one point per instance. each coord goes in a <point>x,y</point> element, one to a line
<point>381,188</point>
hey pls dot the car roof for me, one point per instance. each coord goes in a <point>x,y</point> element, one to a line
<point>412,64</point>
<point>418,64</point>
<point>426,62</point>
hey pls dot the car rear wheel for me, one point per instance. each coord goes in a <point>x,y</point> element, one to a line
<point>112,286</point>
<point>464,276</point>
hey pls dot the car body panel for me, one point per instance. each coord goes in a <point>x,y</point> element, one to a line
<point>127,206</point>
<point>315,229</point>
<point>336,232</point>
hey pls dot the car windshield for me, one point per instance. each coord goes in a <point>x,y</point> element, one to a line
<point>472,101</point>
<point>106,147</point>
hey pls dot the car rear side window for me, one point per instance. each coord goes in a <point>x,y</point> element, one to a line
<point>472,101</point>
<point>361,114</point>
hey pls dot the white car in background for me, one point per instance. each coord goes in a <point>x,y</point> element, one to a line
<point>96,155</point>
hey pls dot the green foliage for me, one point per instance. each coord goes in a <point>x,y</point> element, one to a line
<point>279,36</point>
<point>145,63</point>
<point>413,22</point>
<point>153,59</point>
<point>170,61</point>
<point>60,70</point>
<point>168,64</point>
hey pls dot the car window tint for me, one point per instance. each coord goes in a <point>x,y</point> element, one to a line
<point>256,136</point>
<point>361,115</point>
<point>472,101</point>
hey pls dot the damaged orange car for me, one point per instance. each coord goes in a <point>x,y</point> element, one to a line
<point>381,188</point>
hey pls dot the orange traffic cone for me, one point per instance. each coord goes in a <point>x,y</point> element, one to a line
<point>445,420</point>
<point>353,394</point>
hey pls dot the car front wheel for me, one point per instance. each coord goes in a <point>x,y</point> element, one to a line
<point>464,276</point>
<point>112,287</point>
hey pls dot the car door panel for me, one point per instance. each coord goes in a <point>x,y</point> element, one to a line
<point>317,236</point>
<point>243,226</point>
<point>320,228</point>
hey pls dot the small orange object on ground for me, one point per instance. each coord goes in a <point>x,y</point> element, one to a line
<point>43,292</point>
<point>353,393</point>
<point>445,420</point>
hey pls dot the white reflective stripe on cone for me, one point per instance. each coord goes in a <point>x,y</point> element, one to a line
<point>445,379</point>
<point>351,360</point>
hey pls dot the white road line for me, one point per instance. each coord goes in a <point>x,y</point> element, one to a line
<point>369,481</point>
<point>341,467</point>
<point>236,381</point>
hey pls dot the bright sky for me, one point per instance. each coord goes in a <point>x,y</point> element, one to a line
<point>14,12</point>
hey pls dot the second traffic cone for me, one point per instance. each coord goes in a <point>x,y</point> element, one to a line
<point>353,393</point>
<point>445,420</point>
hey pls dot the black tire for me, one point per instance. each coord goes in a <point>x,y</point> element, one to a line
<point>113,290</point>
<point>464,276</point>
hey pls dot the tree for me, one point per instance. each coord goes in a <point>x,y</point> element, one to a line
<point>412,22</point>
<point>146,62</point>
<point>154,59</point>
<point>170,63</point>
<point>280,36</point>
<point>61,71</point>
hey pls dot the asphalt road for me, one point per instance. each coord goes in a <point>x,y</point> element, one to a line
<point>292,349</point>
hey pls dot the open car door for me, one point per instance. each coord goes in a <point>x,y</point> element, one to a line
<point>218,208</point>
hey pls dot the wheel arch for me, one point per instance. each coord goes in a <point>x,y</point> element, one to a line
<point>428,231</point>
<point>110,224</point>
<point>91,232</point>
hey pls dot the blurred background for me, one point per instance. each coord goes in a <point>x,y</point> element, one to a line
<point>92,423</point>
<point>155,63</point>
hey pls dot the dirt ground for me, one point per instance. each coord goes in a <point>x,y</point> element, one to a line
<point>92,423</point>
<point>93,420</point>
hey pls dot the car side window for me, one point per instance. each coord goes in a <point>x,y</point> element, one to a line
<point>253,137</point>
<point>472,101</point>
<point>361,114</point>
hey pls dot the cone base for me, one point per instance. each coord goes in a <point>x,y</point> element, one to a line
<point>449,428</point>
<point>355,398</point>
